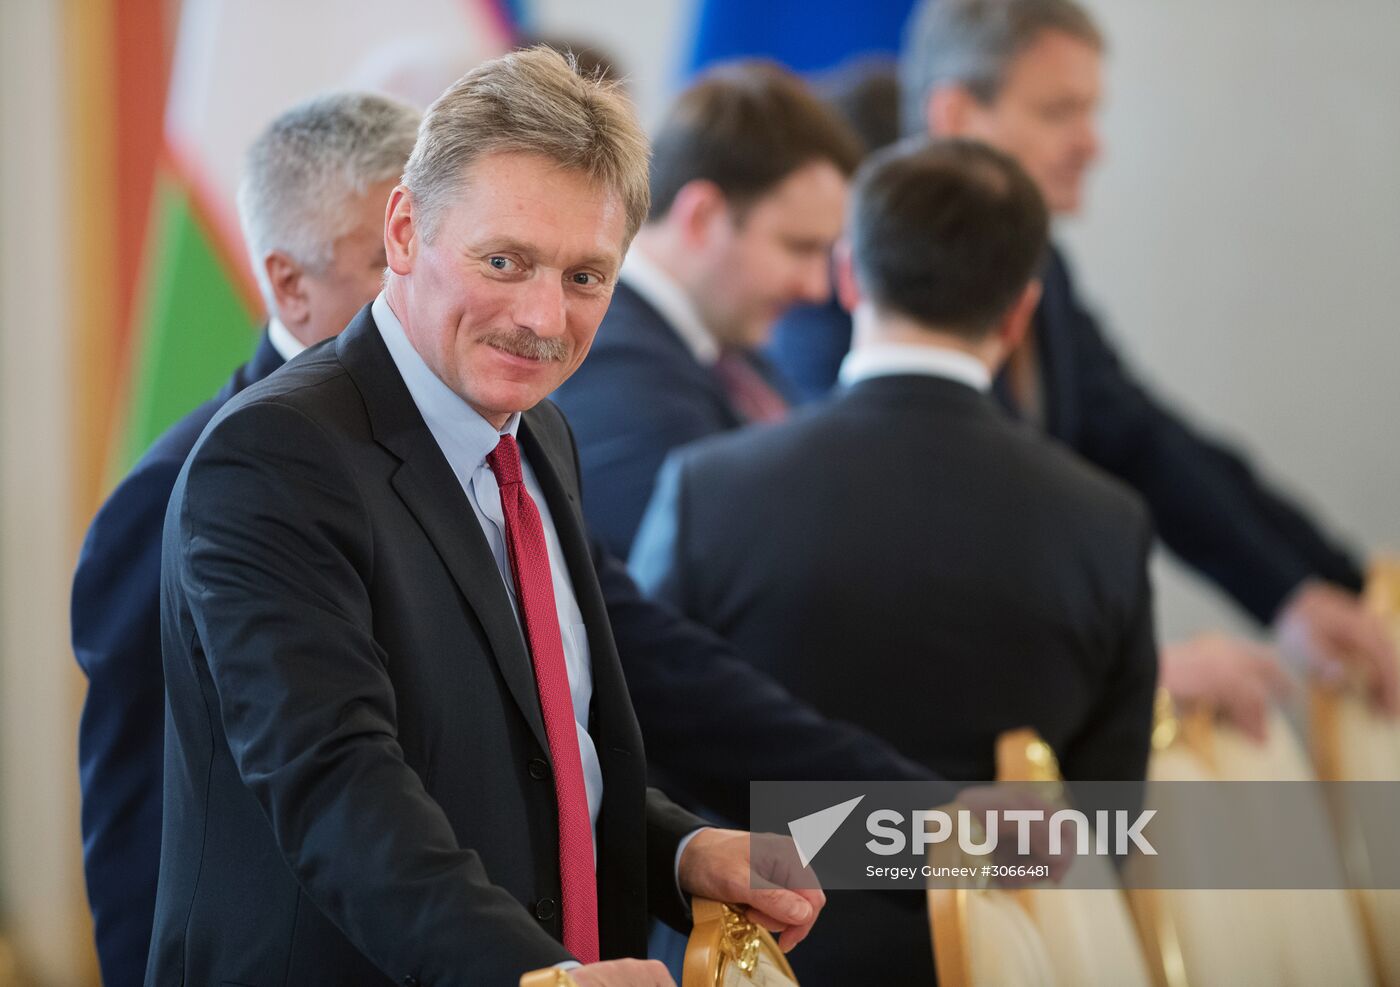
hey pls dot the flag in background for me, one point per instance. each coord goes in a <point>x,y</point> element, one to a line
<point>187,306</point>
<point>805,35</point>
<point>236,64</point>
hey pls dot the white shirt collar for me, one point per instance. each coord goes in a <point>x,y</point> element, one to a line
<point>888,359</point>
<point>282,340</point>
<point>662,293</point>
<point>463,435</point>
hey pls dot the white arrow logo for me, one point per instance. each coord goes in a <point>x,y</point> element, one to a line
<point>810,833</point>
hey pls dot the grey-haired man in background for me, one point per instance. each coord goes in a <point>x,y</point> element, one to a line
<point>312,203</point>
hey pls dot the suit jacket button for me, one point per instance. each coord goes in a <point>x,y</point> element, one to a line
<point>539,768</point>
<point>544,909</point>
<point>409,981</point>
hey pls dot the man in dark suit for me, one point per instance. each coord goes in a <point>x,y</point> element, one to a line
<point>685,681</point>
<point>1024,76</point>
<point>985,578</point>
<point>748,183</point>
<point>399,743</point>
<point>116,588</point>
<point>312,205</point>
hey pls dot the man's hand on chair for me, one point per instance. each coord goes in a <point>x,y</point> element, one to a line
<point>716,865</point>
<point>1241,680</point>
<point>1336,632</point>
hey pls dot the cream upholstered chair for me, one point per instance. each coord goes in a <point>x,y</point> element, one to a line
<point>1350,742</point>
<point>725,949</point>
<point>1241,937</point>
<point>986,937</point>
<point>1039,935</point>
<point>1088,931</point>
<point>1178,924</point>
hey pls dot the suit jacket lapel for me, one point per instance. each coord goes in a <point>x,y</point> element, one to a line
<point>429,489</point>
<point>683,356</point>
<point>1055,330</point>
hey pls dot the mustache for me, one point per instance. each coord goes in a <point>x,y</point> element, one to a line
<point>524,343</point>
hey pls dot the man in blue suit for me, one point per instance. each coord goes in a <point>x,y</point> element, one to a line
<point>1024,76</point>
<point>312,203</point>
<point>748,182</point>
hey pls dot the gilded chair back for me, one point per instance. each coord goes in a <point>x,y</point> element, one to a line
<point>1039,935</point>
<point>1351,742</point>
<point>727,950</point>
<point>1244,937</point>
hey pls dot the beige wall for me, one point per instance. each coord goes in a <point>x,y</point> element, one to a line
<point>1242,241</point>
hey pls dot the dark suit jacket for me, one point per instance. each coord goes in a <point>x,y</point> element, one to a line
<point>638,395</point>
<point>685,682</point>
<point>910,559</point>
<point>807,347</point>
<point>357,776</point>
<point>116,637</point>
<point>1208,505</point>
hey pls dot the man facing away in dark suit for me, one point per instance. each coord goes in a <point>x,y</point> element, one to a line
<point>986,578</point>
<point>1024,76</point>
<point>399,743</point>
<point>748,182</point>
<point>312,206</point>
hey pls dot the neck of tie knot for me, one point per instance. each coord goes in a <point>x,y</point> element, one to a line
<point>750,395</point>
<point>504,461</point>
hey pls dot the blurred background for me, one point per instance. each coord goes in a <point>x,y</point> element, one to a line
<point>1241,241</point>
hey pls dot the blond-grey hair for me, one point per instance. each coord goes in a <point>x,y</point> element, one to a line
<point>304,167</point>
<point>533,101</point>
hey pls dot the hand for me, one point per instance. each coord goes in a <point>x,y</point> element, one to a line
<point>1335,631</point>
<point>981,799</point>
<point>1239,679</point>
<point>715,865</point>
<point>623,973</point>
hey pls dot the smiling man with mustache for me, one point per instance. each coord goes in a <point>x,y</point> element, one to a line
<point>400,744</point>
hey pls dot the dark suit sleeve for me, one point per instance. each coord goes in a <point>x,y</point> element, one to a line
<point>628,410</point>
<point>809,342</point>
<point>1114,742</point>
<point>273,550</point>
<point>1208,505</point>
<point>687,682</point>
<point>667,825</point>
<point>116,638</point>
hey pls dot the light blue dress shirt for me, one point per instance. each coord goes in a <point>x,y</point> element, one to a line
<point>466,439</point>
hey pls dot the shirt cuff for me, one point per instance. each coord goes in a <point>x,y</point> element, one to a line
<point>568,965</point>
<point>680,851</point>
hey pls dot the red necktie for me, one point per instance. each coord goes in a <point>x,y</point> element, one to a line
<point>753,398</point>
<point>534,591</point>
